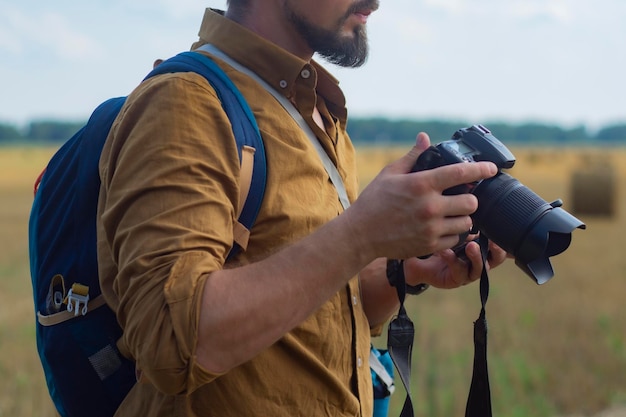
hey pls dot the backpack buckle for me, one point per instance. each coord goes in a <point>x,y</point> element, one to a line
<point>78,295</point>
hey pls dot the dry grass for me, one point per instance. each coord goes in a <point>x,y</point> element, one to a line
<point>22,387</point>
<point>555,349</point>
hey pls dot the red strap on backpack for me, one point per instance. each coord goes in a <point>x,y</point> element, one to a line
<point>38,181</point>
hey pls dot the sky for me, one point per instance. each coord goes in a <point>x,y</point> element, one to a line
<point>551,61</point>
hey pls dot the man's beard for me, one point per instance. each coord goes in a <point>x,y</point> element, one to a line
<point>330,44</point>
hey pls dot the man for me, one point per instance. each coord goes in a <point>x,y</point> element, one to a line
<point>284,328</point>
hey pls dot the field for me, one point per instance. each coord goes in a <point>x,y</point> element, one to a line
<point>554,350</point>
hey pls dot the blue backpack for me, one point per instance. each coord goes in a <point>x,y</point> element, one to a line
<point>77,332</point>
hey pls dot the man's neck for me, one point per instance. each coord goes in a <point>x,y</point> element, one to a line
<point>272,26</point>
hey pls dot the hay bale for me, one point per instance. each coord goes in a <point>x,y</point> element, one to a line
<point>594,191</point>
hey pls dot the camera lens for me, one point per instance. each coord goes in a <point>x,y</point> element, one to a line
<point>523,224</point>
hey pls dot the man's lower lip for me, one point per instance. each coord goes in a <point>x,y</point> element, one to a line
<point>361,17</point>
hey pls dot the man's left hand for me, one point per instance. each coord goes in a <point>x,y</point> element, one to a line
<point>445,270</point>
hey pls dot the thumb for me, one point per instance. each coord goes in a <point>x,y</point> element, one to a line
<point>406,163</point>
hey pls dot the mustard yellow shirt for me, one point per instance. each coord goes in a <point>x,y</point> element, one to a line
<point>168,201</point>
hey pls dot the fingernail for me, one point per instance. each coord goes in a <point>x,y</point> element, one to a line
<point>421,140</point>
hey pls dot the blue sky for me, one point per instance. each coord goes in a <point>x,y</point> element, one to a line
<point>557,61</point>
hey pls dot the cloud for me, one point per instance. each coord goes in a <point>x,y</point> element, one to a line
<point>11,31</point>
<point>454,7</point>
<point>185,8</point>
<point>554,11</point>
<point>44,31</point>
<point>170,9</point>
<point>393,24</point>
<point>558,59</point>
<point>487,11</point>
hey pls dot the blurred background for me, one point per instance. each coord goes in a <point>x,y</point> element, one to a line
<point>545,76</point>
<point>554,350</point>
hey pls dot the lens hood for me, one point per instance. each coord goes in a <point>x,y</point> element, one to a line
<point>550,235</point>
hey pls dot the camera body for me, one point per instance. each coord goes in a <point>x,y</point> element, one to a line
<point>509,214</point>
<point>472,144</point>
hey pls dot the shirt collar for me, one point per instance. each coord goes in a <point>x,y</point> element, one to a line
<point>273,64</point>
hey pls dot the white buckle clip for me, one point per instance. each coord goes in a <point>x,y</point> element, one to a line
<point>77,296</point>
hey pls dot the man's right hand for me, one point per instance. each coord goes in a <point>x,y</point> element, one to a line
<point>403,214</point>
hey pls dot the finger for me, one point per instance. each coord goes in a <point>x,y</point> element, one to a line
<point>464,272</point>
<point>460,205</point>
<point>497,255</point>
<point>456,226</point>
<point>422,141</point>
<point>448,176</point>
<point>475,259</point>
<point>406,163</point>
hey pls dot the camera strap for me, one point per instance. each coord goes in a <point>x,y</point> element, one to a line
<point>401,334</point>
<point>479,398</point>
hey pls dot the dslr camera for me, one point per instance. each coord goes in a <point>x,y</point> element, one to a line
<point>509,213</point>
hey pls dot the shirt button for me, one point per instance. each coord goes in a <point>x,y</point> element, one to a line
<point>355,300</point>
<point>359,362</point>
<point>283,84</point>
<point>305,73</point>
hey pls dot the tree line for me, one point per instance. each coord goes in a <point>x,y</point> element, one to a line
<point>374,131</point>
<point>386,131</point>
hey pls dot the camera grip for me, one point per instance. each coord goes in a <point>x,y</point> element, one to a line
<point>429,159</point>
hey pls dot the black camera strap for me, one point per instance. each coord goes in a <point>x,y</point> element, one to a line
<point>479,398</point>
<point>401,334</point>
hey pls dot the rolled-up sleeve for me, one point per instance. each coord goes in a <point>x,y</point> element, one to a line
<point>167,205</point>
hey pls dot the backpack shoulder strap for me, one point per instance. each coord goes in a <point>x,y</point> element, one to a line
<point>250,146</point>
<point>329,166</point>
